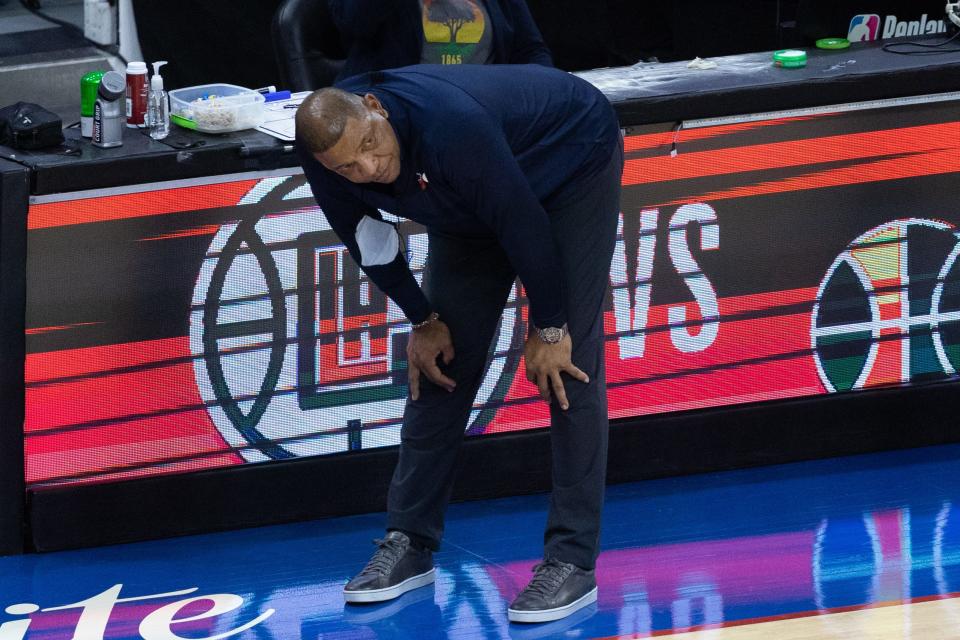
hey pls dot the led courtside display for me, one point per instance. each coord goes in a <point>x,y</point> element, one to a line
<point>221,322</point>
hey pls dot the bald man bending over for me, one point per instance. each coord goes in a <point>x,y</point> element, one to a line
<point>514,171</point>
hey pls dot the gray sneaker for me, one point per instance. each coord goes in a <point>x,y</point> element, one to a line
<point>395,568</point>
<point>556,590</point>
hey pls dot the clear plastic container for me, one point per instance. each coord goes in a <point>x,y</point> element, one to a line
<point>216,108</point>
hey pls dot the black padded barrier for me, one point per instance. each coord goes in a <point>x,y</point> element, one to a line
<point>14,182</point>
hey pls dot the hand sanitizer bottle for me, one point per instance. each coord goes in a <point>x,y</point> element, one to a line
<point>158,105</point>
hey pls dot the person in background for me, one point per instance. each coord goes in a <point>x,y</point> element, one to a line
<point>514,171</point>
<point>383,34</point>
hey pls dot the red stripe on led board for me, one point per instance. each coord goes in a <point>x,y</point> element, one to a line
<point>666,138</point>
<point>943,138</point>
<point>746,363</point>
<point>933,163</point>
<point>36,331</point>
<point>137,205</point>
<point>138,403</point>
<point>148,457</point>
<point>166,383</point>
<point>205,230</point>
<point>108,383</point>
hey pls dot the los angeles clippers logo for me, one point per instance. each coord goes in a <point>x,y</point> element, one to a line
<point>297,352</point>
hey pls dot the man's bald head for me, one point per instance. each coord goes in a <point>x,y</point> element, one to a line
<point>349,135</point>
<point>323,115</point>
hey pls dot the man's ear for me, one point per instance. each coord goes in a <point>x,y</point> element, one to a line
<point>373,104</point>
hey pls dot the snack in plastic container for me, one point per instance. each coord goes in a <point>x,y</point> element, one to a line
<point>216,108</point>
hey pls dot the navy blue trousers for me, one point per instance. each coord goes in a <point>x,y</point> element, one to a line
<point>468,281</point>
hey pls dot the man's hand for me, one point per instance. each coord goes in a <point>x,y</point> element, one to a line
<point>426,343</point>
<point>545,362</point>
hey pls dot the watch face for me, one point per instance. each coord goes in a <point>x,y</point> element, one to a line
<point>551,335</point>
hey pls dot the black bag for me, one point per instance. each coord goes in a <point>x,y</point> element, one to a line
<point>25,125</point>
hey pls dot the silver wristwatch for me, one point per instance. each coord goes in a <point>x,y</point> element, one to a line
<point>552,335</point>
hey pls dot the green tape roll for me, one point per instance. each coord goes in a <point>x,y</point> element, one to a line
<point>790,58</point>
<point>833,43</point>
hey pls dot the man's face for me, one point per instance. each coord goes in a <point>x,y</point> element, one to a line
<point>368,150</point>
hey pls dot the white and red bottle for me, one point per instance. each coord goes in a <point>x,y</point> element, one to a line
<point>137,92</point>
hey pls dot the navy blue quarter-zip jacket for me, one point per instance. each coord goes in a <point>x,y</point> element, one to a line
<point>382,34</point>
<point>496,147</point>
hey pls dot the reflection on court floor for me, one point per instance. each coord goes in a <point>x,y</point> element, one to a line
<point>927,619</point>
<point>796,551</point>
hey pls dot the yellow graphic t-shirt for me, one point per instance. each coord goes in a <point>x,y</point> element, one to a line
<point>456,32</point>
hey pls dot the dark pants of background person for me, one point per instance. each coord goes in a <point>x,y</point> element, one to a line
<point>468,281</point>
